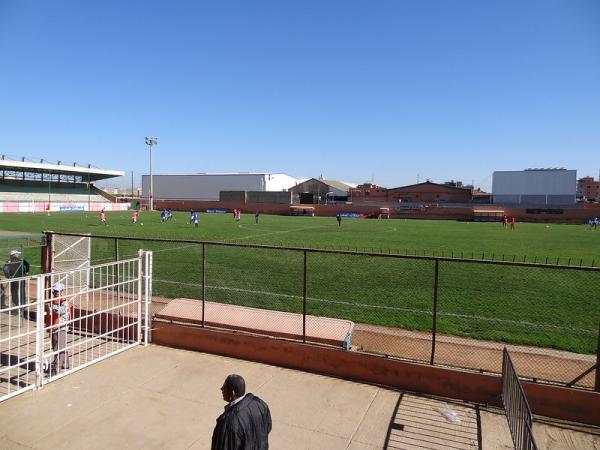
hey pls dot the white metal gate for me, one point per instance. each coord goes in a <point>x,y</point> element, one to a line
<point>69,255</point>
<point>45,335</point>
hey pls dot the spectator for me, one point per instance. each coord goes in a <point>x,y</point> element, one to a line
<point>246,422</point>
<point>58,315</point>
<point>16,267</point>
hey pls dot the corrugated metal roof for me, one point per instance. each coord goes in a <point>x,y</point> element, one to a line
<point>338,184</point>
<point>85,172</point>
<point>223,173</point>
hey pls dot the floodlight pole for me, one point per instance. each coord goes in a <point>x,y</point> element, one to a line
<point>88,186</point>
<point>150,141</point>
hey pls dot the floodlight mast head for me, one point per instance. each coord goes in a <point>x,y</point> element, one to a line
<point>150,141</point>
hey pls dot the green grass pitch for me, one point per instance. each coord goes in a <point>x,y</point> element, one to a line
<point>550,308</point>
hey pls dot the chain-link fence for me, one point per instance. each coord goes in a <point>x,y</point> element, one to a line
<point>444,311</point>
<point>28,246</point>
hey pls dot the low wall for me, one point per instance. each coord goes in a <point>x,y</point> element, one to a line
<point>35,206</point>
<point>562,403</point>
<point>232,196</point>
<point>283,197</point>
<point>571,215</point>
<point>265,208</point>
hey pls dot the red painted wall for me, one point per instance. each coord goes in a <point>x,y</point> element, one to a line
<point>552,401</point>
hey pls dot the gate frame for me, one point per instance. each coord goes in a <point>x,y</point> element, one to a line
<point>142,309</point>
<point>516,407</point>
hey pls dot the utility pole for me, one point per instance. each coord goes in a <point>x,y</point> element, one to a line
<point>150,141</point>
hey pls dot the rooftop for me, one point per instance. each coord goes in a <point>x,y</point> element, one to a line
<point>88,173</point>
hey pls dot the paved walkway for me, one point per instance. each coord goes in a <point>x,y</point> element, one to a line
<point>158,397</point>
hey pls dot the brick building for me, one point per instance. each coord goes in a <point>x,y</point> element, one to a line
<point>429,192</point>
<point>368,192</point>
<point>426,192</point>
<point>588,188</point>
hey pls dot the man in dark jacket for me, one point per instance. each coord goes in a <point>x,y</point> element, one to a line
<point>246,422</point>
<point>16,267</point>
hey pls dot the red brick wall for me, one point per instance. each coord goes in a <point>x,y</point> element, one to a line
<point>264,208</point>
<point>571,215</point>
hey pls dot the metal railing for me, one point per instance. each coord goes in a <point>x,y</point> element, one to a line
<point>516,407</point>
<point>45,334</point>
<point>446,311</point>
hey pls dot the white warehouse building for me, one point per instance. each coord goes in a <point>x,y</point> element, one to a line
<point>206,186</point>
<point>535,187</point>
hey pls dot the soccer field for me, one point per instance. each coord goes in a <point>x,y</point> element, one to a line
<point>550,308</point>
<point>565,244</point>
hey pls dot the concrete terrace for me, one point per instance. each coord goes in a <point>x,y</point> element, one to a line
<point>159,397</point>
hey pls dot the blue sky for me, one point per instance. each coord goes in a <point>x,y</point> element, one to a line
<point>352,90</point>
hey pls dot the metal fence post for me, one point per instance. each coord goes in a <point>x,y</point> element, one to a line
<point>434,317</point>
<point>203,280</point>
<point>148,296</point>
<point>39,335</point>
<point>140,274</point>
<point>118,279</point>
<point>47,253</point>
<point>304,301</point>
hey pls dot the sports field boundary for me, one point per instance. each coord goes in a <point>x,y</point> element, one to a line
<point>421,299</point>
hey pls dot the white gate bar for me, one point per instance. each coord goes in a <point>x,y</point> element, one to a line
<point>139,297</point>
<point>70,248</point>
<point>148,297</point>
<point>39,340</point>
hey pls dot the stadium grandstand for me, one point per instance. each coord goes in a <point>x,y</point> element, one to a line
<point>27,186</point>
